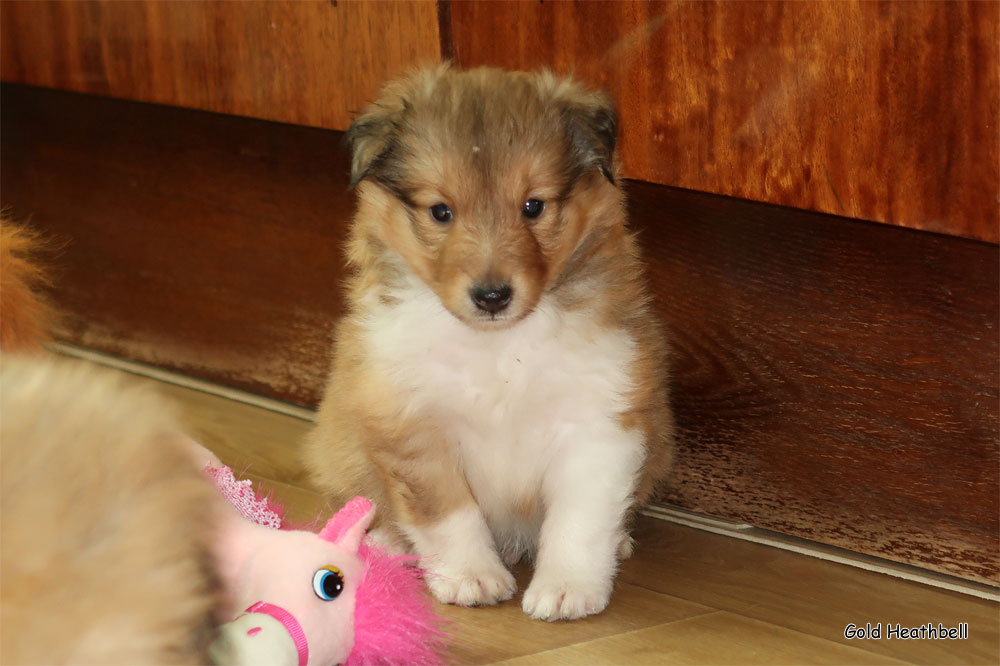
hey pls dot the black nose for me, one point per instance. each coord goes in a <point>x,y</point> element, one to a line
<point>491,298</point>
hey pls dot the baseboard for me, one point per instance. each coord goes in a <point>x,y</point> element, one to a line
<point>821,551</point>
<point>178,379</point>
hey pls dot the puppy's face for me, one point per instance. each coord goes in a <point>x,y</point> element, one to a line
<point>484,182</point>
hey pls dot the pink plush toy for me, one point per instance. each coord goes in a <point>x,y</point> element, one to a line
<point>318,599</point>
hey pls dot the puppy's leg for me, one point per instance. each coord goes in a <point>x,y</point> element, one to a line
<point>588,491</point>
<point>436,511</point>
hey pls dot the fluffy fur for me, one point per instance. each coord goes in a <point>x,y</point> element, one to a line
<point>536,425</point>
<point>103,555</point>
<point>394,621</point>
<point>24,314</point>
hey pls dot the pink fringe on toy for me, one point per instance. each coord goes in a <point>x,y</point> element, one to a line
<point>259,510</point>
<point>394,618</point>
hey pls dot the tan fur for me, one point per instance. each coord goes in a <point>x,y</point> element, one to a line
<point>25,315</point>
<point>483,141</point>
<point>103,555</point>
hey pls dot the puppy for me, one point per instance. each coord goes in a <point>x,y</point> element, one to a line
<point>498,383</point>
<point>105,538</point>
<point>25,314</point>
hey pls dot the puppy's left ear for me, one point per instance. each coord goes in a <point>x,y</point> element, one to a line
<point>592,123</point>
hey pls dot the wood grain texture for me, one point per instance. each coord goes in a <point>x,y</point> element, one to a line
<point>697,641</point>
<point>195,241</point>
<point>883,111</point>
<point>807,595</point>
<point>843,368</point>
<point>834,379</point>
<point>312,63</point>
<point>633,608</point>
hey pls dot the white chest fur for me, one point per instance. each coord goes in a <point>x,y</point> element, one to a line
<point>510,400</point>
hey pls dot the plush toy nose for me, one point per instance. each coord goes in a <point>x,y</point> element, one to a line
<point>256,638</point>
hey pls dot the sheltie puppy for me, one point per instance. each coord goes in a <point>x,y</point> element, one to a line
<point>498,384</point>
<point>105,539</point>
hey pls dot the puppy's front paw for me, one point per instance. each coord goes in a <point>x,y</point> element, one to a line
<point>483,586</point>
<point>460,559</point>
<point>556,599</point>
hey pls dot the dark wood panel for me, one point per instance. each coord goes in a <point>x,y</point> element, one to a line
<point>196,241</point>
<point>834,379</point>
<point>883,111</point>
<point>312,63</point>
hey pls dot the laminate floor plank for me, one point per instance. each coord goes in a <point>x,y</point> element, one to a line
<point>490,634</point>
<point>716,638</point>
<point>808,595</point>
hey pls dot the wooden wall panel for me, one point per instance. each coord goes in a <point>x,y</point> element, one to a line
<point>311,63</point>
<point>834,379</point>
<point>884,111</point>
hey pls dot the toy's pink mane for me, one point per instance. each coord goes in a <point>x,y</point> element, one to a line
<point>394,620</point>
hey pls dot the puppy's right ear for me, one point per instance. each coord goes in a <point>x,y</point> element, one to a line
<point>371,138</point>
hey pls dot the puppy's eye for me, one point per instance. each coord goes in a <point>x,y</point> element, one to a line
<point>441,213</point>
<point>533,208</point>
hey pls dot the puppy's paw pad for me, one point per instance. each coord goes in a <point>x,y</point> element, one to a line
<point>564,601</point>
<point>478,588</point>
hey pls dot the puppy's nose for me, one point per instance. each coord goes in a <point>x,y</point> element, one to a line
<point>491,298</point>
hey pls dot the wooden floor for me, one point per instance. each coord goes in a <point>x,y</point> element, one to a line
<point>685,597</point>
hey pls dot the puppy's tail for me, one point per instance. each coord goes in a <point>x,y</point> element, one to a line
<point>25,313</point>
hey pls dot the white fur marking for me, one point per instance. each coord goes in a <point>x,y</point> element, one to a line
<point>534,411</point>
<point>588,492</point>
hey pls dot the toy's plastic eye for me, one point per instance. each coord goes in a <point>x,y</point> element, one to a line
<point>328,583</point>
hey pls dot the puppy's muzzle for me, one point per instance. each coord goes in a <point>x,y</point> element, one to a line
<point>491,298</point>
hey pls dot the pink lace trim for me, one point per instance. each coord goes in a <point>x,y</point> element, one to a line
<point>240,494</point>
